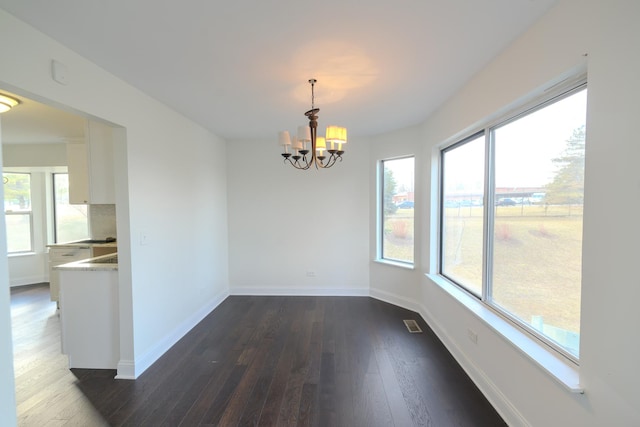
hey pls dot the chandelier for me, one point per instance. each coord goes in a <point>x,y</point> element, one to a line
<point>306,148</point>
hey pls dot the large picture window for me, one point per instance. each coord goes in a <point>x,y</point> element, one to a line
<point>397,204</point>
<point>511,217</point>
<point>18,214</point>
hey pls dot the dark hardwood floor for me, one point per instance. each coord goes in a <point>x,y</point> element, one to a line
<point>269,361</point>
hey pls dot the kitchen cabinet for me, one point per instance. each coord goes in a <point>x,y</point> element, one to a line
<point>89,317</point>
<point>78,169</point>
<point>90,166</point>
<point>63,255</point>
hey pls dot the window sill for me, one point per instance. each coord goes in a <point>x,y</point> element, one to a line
<point>563,371</point>
<point>404,265</point>
<point>19,254</point>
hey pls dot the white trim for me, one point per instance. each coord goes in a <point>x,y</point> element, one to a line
<point>406,265</point>
<point>143,362</point>
<point>27,280</point>
<point>20,254</point>
<point>557,367</point>
<point>394,299</point>
<point>347,292</point>
<point>126,370</point>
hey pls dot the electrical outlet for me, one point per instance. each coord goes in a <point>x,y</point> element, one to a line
<point>311,274</point>
<point>473,337</point>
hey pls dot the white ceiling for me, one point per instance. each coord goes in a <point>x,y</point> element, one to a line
<point>240,68</point>
<point>32,122</point>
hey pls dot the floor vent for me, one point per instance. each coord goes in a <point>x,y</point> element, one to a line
<point>412,326</point>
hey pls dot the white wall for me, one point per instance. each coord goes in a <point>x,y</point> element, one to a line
<point>610,351</point>
<point>395,284</point>
<point>284,222</point>
<point>170,187</point>
<point>7,394</point>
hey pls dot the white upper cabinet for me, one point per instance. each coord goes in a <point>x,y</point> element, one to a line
<point>91,168</point>
<point>100,155</point>
<point>78,168</point>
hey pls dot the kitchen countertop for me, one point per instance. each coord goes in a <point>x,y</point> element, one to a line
<point>85,243</point>
<point>107,262</point>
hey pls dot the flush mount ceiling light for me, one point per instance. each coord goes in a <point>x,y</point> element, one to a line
<point>306,141</point>
<point>7,103</point>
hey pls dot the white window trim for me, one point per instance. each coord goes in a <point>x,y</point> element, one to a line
<point>558,367</point>
<point>405,265</point>
<point>29,213</point>
<point>380,217</point>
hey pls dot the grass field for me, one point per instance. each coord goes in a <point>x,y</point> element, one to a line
<point>537,257</point>
<point>537,254</point>
<point>398,236</point>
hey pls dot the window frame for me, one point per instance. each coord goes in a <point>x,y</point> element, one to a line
<point>381,217</point>
<point>557,93</point>
<point>441,202</point>
<point>28,213</point>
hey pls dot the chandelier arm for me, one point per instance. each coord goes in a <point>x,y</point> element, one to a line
<point>327,159</point>
<point>296,162</point>
<point>298,165</point>
<point>330,162</point>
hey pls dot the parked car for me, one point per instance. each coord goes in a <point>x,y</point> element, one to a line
<point>406,205</point>
<point>505,202</point>
<point>536,198</point>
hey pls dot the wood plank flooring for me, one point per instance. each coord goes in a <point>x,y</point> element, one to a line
<point>255,361</point>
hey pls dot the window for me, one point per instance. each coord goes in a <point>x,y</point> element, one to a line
<point>511,217</point>
<point>463,213</point>
<point>396,210</point>
<point>70,220</point>
<point>17,209</point>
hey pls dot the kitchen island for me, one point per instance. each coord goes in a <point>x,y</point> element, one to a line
<point>89,312</point>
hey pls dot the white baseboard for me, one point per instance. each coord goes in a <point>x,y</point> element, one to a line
<point>126,370</point>
<point>30,280</point>
<point>394,299</point>
<point>143,362</point>
<point>488,388</point>
<point>345,292</point>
